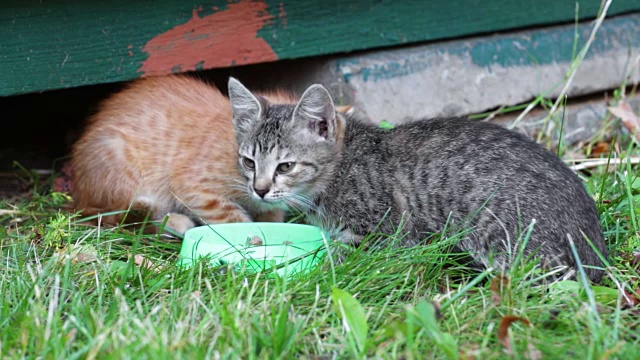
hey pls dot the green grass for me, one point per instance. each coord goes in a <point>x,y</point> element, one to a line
<point>75,291</point>
<point>69,290</point>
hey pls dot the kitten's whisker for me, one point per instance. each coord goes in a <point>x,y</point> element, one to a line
<point>304,201</point>
<point>239,181</point>
<point>294,205</point>
<point>239,187</point>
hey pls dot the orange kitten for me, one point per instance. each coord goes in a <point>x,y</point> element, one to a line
<point>165,146</point>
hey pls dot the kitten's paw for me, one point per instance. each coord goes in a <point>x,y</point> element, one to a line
<point>179,223</point>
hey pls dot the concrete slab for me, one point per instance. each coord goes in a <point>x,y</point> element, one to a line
<point>474,75</point>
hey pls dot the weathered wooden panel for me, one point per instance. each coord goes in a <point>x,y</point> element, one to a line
<point>49,44</point>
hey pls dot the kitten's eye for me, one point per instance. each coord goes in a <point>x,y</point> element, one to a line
<point>250,164</point>
<point>284,168</point>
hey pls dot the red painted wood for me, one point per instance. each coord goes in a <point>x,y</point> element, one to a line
<point>225,38</point>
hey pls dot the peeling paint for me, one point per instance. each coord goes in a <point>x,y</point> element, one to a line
<point>282,14</point>
<point>225,38</point>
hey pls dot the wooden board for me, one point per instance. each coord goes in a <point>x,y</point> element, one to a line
<point>51,44</point>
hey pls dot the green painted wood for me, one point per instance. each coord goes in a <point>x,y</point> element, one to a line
<point>51,44</point>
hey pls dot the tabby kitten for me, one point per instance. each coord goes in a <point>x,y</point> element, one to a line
<point>165,146</point>
<point>355,178</point>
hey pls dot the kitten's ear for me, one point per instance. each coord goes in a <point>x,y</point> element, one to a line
<point>245,106</point>
<point>316,112</point>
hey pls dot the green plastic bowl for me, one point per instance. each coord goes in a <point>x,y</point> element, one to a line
<point>296,247</point>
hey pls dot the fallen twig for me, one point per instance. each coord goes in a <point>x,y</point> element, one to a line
<point>11,212</point>
<point>590,163</point>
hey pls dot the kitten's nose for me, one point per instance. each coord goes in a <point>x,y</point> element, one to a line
<point>261,192</point>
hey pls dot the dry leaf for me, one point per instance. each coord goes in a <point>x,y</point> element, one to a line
<point>436,308</point>
<point>636,258</point>
<point>600,148</point>
<point>533,353</point>
<point>472,352</point>
<point>498,284</point>
<point>503,331</point>
<point>64,182</point>
<point>632,299</point>
<point>255,241</point>
<point>71,335</point>
<point>139,259</point>
<point>146,263</point>
<point>83,253</point>
<point>630,120</point>
<point>85,258</point>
